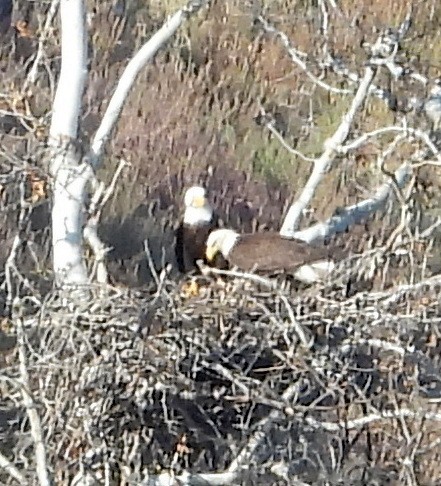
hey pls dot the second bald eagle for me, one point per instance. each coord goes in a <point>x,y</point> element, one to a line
<point>269,252</point>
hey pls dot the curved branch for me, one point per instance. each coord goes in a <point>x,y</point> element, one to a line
<point>417,133</point>
<point>296,57</point>
<point>324,162</point>
<point>356,213</point>
<point>141,58</point>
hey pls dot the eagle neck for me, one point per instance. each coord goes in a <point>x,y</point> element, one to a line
<point>228,243</point>
<point>198,216</point>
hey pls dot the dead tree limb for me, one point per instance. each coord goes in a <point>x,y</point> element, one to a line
<point>29,403</point>
<point>324,162</point>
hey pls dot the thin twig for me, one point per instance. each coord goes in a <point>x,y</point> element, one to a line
<point>151,263</point>
<point>28,401</point>
<point>7,465</point>
<point>291,150</point>
<point>33,72</point>
<point>238,274</point>
<point>90,232</point>
<point>294,55</point>
<point>375,417</point>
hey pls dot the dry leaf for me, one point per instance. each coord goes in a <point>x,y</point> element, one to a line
<point>23,29</point>
<point>191,289</point>
<point>38,187</point>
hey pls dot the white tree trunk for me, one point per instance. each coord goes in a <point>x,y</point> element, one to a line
<point>69,175</point>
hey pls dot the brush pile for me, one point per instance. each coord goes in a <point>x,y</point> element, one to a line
<point>262,385</point>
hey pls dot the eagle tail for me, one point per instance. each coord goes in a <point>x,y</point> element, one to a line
<point>314,272</point>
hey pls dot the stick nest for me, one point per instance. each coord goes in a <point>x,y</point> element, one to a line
<point>130,383</point>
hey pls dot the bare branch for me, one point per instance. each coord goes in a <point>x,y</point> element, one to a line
<point>269,284</point>
<point>235,273</point>
<point>70,176</point>
<point>99,199</point>
<point>354,214</point>
<point>427,233</point>
<point>202,479</point>
<point>33,72</point>
<point>186,479</point>
<point>141,58</point>
<point>151,263</point>
<point>417,133</point>
<point>375,417</point>
<point>243,458</point>
<point>11,469</point>
<point>295,56</point>
<point>291,150</point>
<point>28,401</point>
<point>386,44</point>
<point>11,268</point>
<point>382,344</point>
<point>91,229</point>
<point>395,294</point>
<point>324,162</point>
<point>66,108</point>
<point>99,249</point>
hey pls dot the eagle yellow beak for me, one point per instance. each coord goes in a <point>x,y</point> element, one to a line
<point>210,253</point>
<point>198,202</point>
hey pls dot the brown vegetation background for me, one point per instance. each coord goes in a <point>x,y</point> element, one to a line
<point>148,372</point>
<point>192,116</point>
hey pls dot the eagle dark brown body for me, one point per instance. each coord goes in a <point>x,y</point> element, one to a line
<point>190,245</point>
<point>270,252</point>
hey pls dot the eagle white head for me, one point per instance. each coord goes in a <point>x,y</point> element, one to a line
<point>197,208</point>
<point>220,241</point>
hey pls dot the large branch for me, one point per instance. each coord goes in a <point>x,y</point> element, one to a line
<point>324,162</point>
<point>69,176</point>
<point>356,213</point>
<point>383,53</point>
<point>141,58</point>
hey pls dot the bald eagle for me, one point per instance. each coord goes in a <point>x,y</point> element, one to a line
<point>193,231</point>
<point>270,253</point>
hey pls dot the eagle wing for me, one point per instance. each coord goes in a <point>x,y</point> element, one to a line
<point>191,244</point>
<point>270,252</point>
<point>179,248</point>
